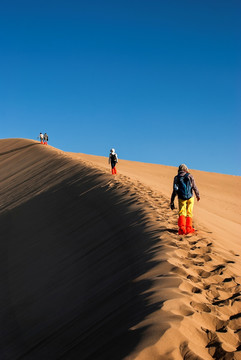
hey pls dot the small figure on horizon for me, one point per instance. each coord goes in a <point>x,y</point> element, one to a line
<point>113,160</point>
<point>41,138</point>
<point>46,139</point>
<point>183,187</point>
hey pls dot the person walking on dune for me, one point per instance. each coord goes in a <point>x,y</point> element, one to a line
<point>113,160</point>
<point>41,138</point>
<point>183,187</point>
<point>46,139</point>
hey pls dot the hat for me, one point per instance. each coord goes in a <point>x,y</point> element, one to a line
<point>183,167</point>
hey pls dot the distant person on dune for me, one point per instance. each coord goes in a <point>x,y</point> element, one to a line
<point>113,160</point>
<point>183,187</point>
<point>46,139</point>
<point>41,138</point>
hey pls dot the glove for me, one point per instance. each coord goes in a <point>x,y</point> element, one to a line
<point>172,206</point>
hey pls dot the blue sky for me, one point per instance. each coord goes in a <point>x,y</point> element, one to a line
<point>157,80</point>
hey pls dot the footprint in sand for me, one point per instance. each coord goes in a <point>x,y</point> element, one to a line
<point>193,242</point>
<point>203,274</point>
<point>198,263</point>
<point>217,348</point>
<point>192,256</point>
<point>193,278</point>
<point>235,323</point>
<point>179,271</point>
<point>212,295</point>
<point>186,353</point>
<point>190,288</point>
<point>227,300</point>
<point>218,269</point>
<point>211,322</point>
<point>228,280</point>
<point>196,290</point>
<point>200,306</point>
<point>206,258</point>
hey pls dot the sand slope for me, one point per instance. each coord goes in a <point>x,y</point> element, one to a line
<point>92,267</point>
<point>219,209</point>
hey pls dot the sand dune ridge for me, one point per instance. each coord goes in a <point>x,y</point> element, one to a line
<point>92,265</point>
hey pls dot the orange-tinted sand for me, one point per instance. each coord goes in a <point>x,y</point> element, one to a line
<point>92,266</point>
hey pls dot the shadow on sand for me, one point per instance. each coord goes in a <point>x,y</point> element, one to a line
<point>18,149</point>
<point>70,258</point>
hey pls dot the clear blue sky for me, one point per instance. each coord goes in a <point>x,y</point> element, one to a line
<point>158,80</point>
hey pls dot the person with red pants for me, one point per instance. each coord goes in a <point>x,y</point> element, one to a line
<point>46,139</point>
<point>113,160</point>
<point>183,187</point>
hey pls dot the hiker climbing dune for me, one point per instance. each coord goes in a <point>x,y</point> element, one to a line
<point>113,160</point>
<point>183,186</point>
<point>41,138</point>
<point>46,139</point>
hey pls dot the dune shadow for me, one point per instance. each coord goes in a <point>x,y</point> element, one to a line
<point>18,149</point>
<point>70,262</point>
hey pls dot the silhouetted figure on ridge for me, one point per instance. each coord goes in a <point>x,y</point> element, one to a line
<point>113,160</point>
<point>41,138</point>
<point>46,139</point>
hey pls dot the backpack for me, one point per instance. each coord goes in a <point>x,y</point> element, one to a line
<point>184,190</point>
<point>113,158</point>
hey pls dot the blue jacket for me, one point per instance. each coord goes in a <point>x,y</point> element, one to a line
<point>176,181</point>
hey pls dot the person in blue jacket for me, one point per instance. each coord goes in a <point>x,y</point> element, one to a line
<point>183,186</point>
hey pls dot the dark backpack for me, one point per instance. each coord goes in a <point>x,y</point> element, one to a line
<point>184,187</point>
<point>113,158</point>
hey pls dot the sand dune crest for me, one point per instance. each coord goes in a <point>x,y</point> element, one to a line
<point>92,265</point>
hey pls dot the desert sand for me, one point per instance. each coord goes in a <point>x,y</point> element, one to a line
<point>92,266</point>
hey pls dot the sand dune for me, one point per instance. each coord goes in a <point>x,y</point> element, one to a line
<point>219,208</point>
<point>92,266</point>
